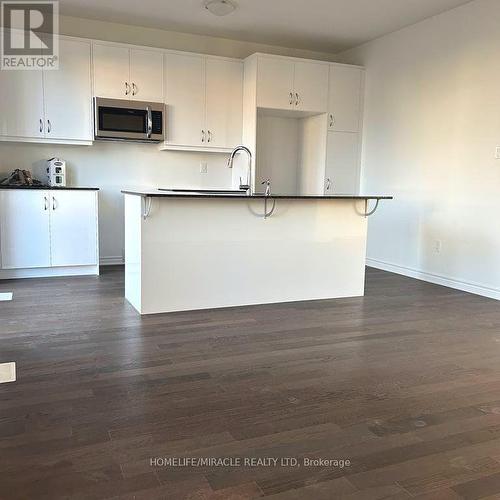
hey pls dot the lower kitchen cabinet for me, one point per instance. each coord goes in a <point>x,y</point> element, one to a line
<point>48,232</point>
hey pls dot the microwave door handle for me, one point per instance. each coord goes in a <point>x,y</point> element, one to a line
<point>150,122</point>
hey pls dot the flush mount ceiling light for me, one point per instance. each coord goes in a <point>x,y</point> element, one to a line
<point>220,7</point>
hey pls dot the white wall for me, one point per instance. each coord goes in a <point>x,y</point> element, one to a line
<point>112,167</point>
<point>432,122</point>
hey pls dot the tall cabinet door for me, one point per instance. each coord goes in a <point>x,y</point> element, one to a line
<point>344,107</point>
<point>275,83</point>
<point>224,102</point>
<point>68,95</point>
<point>24,227</point>
<point>21,105</point>
<point>311,86</point>
<point>111,71</point>
<point>146,75</point>
<point>342,163</point>
<point>73,223</point>
<point>185,100</point>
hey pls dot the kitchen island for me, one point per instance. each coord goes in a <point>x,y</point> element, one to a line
<point>194,250</point>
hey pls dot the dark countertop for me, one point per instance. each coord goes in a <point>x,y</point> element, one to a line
<point>155,193</point>
<point>53,188</point>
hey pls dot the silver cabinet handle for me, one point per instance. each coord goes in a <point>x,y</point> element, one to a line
<point>328,183</point>
<point>134,89</point>
<point>332,120</point>
<point>202,136</point>
<point>49,126</point>
<point>296,99</point>
<point>46,203</point>
<point>127,88</point>
<point>53,203</point>
<point>209,136</point>
<point>150,121</point>
<point>41,125</point>
<point>291,98</point>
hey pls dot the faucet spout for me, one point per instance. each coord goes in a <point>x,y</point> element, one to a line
<point>248,186</point>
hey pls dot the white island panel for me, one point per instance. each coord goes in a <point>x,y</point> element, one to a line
<point>197,253</point>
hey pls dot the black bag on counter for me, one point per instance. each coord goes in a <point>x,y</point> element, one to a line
<point>20,178</point>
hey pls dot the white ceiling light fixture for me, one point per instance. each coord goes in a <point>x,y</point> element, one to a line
<point>220,7</point>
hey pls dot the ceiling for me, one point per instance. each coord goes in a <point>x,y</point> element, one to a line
<point>322,25</point>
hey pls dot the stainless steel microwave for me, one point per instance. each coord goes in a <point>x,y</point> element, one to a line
<point>122,120</point>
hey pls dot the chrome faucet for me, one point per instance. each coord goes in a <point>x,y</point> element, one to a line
<point>267,183</point>
<point>248,186</point>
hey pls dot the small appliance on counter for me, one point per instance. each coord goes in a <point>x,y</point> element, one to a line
<point>56,172</point>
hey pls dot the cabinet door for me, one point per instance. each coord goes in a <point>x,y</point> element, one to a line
<point>275,83</point>
<point>111,71</point>
<point>24,227</point>
<point>344,105</point>
<point>185,100</point>
<point>146,75</point>
<point>342,163</point>
<point>21,105</point>
<point>73,228</point>
<point>68,95</point>
<point>311,85</point>
<point>224,98</point>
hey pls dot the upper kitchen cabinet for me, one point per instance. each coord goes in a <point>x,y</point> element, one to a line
<point>224,102</point>
<point>68,96</point>
<point>124,73</point>
<point>204,98</point>
<point>49,105</point>
<point>345,98</point>
<point>21,106</point>
<point>292,84</point>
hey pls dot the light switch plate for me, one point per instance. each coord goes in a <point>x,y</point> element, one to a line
<point>7,372</point>
<point>203,167</point>
<point>497,153</point>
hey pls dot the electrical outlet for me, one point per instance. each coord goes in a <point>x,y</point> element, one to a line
<point>203,167</point>
<point>497,153</point>
<point>438,246</point>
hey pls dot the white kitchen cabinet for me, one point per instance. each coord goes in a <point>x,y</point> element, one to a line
<point>275,83</point>
<point>345,97</point>
<point>311,86</point>
<point>48,232</point>
<point>24,228</point>
<point>185,100</point>
<point>73,228</point>
<point>146,75</point>
<point>67,94</point>
<point>124,73</point>
<point>224,102</point>
<point>21,105</point>
<point>292,84</point>
<point>49,105</point>
<point>342,163</point>
<point>111,71</point>
<point>203,98</point>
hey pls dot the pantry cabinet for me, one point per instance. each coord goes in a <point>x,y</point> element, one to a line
<point>53,230</point>
<point>127,73</point>
<point>342,163</point>
<point>204,99</point>
<point>345,98</point>
<point>49,105</point>
<point>292,84</point>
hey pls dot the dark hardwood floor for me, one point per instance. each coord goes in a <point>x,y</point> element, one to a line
<point>404,383</point>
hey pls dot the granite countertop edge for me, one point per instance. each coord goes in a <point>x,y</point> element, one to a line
<point>52,188</point>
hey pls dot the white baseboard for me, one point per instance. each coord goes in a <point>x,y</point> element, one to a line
<point>112,261</point>
<point>47,272</point>
<point>475,288</point>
